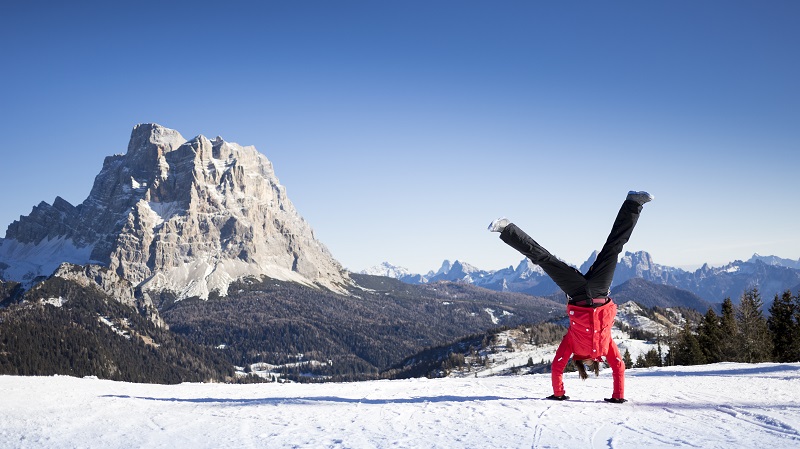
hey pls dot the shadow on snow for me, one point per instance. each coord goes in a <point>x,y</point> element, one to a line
<point>747,371</point>
<point>335,399</point>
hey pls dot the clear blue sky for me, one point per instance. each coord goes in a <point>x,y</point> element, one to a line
<point>401,129</point>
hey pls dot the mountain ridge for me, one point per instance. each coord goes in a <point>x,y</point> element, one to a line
<point>711,285</point>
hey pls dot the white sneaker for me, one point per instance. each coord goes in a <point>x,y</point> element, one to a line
<point>640,197</point>
<point>498,225</point>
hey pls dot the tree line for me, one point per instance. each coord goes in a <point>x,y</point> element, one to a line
<point>90,334</point>
<point>740,334</point>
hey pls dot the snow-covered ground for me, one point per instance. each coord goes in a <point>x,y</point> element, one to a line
<point>713,406</point>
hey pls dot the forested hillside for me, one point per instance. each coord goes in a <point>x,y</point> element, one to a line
<point>64,328</point>
<point>346,337</point>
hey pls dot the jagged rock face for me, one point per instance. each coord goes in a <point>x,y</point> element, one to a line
<point>99,277</point>
<point>189,217</point>
<point>111,284</point>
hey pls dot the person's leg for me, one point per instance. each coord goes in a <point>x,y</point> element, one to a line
<point>601,273</point>
<point>614,360</point>
<point>570,280</point>
<point>560,361</point>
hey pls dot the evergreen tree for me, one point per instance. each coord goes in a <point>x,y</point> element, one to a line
<point>785,328</point>
<point>730,332</point>
<point>797,315</point>
<point>711,337</point>
<point>626,358</point>
<point>671,339</point>
<point>687,350</point>
<point>652,358</point>
<point>754,335</point>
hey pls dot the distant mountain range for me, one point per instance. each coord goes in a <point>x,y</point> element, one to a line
<point>710,285</point>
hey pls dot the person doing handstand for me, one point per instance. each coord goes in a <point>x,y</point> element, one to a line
<point>590,310</point>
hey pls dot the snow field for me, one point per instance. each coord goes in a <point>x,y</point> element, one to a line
<point>711,406</point>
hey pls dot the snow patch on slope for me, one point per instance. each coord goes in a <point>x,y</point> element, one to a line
<point>114,327</point>
<point>632,315</point>
<point>164,211</point>
<point>55,302</point>
<point>198,278</point>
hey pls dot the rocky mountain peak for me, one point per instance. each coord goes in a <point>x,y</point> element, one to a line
<point>149,143</point>
<point>185,216</point>
<point>445,268</point>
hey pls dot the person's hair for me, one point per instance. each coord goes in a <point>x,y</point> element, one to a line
<point>579,364</point>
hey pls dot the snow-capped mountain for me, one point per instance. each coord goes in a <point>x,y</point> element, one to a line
<point>393,271</point>
<point>776,261</point>
<point>456,272</point>
<point>388,270</point>
<point>525,278</point>
<point>182,216</point>
<point>640,265</point>
<point>771,275</point>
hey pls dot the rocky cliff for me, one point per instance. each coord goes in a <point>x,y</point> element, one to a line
<point>187,217</point>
